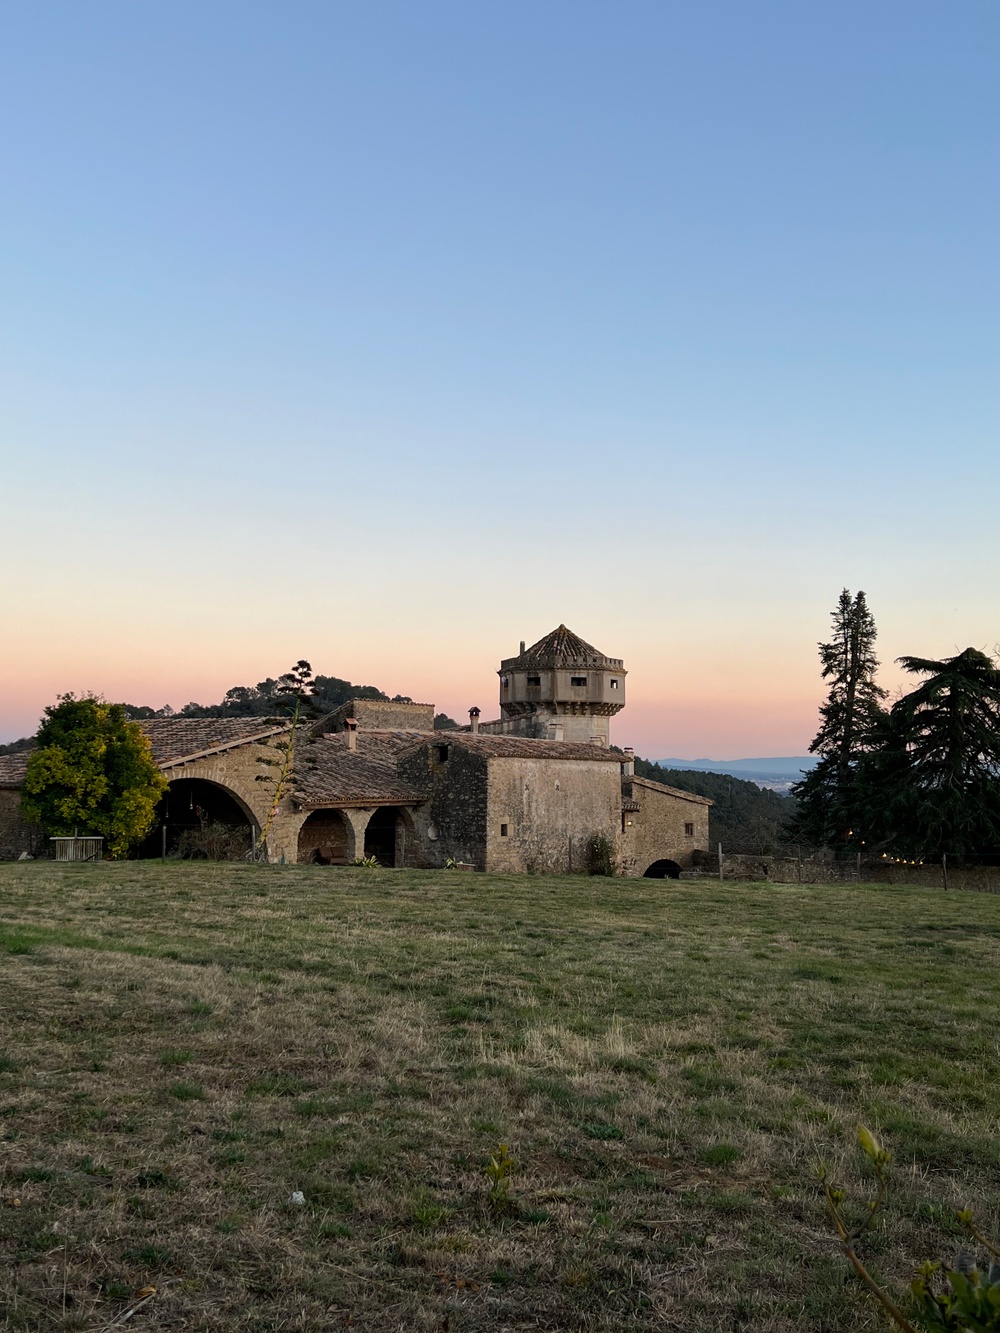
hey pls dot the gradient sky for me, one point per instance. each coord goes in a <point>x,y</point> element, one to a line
<point>389,334</point>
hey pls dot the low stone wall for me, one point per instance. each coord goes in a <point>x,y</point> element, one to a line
<point>824,870</point>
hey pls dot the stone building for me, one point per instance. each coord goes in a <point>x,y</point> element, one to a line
<point>523,794</point>
<point>560,689</point>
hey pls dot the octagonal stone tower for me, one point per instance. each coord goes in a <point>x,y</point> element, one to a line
<point>561,689</point>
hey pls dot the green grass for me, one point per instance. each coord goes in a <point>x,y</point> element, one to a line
<point>186,1046</point>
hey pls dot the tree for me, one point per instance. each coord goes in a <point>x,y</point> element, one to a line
<point>744,817</point>
<point>93,771</point>
<point>828,801</point>
<point>932,784</point>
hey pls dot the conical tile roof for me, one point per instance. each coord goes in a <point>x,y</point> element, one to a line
<point>561,648</point>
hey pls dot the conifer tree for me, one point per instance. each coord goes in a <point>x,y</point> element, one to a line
<point>828,798</point>
<point>932,784</point>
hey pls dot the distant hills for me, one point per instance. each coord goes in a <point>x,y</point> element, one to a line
<point>777,774</point>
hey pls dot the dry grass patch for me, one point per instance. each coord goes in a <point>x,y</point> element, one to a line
<point>187,1048</point>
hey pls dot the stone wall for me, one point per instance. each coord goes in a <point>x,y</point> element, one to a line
<point>656,831</point>
<point>820,869</point>
<point>323,837</point>
<point>381,715</point>
<point>453,822</point>
<point>15,835</point>
<point>237,770</point>
<point>550,809</point>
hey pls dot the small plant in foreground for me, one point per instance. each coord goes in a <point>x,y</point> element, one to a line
<point>369,862</point>
<point>965,1300</point>
<point>499,1173</point>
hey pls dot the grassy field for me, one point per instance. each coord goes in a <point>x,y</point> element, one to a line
<point>185,1046</point>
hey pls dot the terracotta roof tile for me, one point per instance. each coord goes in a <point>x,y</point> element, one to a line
<point>13,767</point>
<point>561,648</point>
<point>176,738</point>
<point>328,773</point>
<point>522,747</point>
<point>631,783</point>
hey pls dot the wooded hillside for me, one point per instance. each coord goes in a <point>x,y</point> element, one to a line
<point>744,818</point>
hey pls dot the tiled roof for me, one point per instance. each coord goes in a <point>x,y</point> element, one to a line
<point>631,783</point>
<point>561,648</point>
<point>521,747</point>
<point>176,738</point>
<point>172,739</point>
<point>328,773</point>
<point>13,767</point>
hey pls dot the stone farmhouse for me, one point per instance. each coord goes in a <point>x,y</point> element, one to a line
<point>524,793</point>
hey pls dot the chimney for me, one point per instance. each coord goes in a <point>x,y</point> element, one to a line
<point>628,766</point>
<point>555,731</point>
<point>474,720</point>
<point>521,654</point>
<point>351,727</point>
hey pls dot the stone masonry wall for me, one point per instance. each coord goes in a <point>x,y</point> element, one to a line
<point>237,770</point>
<point>657,832</point>
<point>456,812</point>
<point>15,835</point>
<point>382,715</point>
<point>550,808</point>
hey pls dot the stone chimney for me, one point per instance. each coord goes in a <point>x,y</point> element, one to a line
<point>474,720</point>
<point>521,654</point>
<point>628,764</point>
<point>554,732</point>
<point>351,727</point>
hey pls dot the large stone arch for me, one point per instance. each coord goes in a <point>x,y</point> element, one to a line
<point>192,804</point>
<point>391,836</point>
<point>325,838</point>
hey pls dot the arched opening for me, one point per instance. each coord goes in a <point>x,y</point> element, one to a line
<point>323,839</point>
<point>664,869</point>
<point>202,821</point>
<point>382,836</point>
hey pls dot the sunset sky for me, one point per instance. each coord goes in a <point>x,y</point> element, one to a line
<point>390,334</point>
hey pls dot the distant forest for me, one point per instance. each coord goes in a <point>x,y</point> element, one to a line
<point>260,700</point>
<point>744,818</point>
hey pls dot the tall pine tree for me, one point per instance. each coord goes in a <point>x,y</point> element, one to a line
<point>828,799</point>
<point>932,784</point>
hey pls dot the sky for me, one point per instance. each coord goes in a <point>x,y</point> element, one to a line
<point>388,335</point>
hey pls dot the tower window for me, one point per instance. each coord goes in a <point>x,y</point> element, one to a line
<point>534,680</point>
<point>442,753</point>
<point>503,830</point>
<point>614,684</point>
<point>689,830</point>
<point>578,680</point>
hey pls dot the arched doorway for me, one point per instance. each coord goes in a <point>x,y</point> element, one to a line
<point>664,869</point>
<point>382,836</point>
<point>323,839</point>
<point>202,821</point>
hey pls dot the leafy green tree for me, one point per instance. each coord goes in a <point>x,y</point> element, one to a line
<point>92,772</point>
<point>932,783</point>
<point>828,806</point>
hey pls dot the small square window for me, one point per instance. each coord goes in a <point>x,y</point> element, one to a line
<point>534,681</point>
<point>503,830</point>
<point>689,830</point>
<point>614,684</point>
<point>578,680</point>
<point>442,752</point>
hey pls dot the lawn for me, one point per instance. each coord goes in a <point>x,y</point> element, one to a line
<point>185,1046</point>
